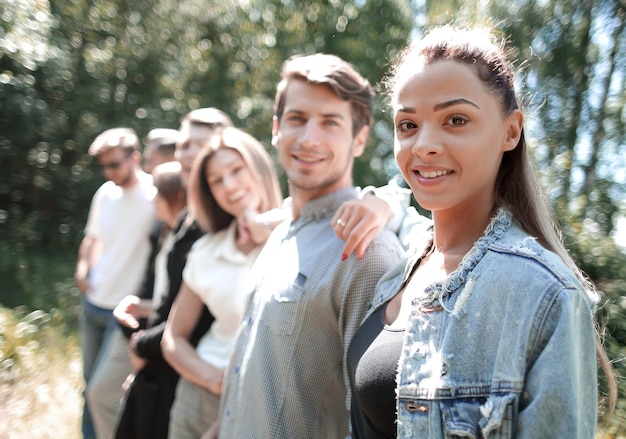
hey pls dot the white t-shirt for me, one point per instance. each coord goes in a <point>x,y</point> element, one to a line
<point>217,272</point>
<point>121,220</point>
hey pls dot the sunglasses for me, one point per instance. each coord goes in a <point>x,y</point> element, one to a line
<point>114,165</point>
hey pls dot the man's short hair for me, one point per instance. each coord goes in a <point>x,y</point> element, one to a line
<point>339,75</point>
<point>209,117</point>
<point>162,140</point>
<point>168,182</point>
<point>123,138</point>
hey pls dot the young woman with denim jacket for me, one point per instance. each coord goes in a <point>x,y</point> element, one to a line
<point>489,323</point>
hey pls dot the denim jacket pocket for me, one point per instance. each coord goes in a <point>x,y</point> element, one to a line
<point>281,311</point>
<point>479,417</point>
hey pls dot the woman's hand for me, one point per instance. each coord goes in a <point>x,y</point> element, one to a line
<point>214,379</point>
<point>212,432</point>
<point>260,225</point>
<point>358,222</point>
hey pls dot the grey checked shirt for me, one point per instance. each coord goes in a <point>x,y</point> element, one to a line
<point>287,376</point>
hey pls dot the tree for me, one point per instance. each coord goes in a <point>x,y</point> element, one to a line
<point>71,68</point>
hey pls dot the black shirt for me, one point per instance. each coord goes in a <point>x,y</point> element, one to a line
<point>373,358</point>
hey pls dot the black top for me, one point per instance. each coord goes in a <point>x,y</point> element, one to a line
<point>373,358</point>
<point>149,343</point>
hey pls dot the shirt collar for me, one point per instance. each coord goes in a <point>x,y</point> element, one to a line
<point>327,205</point>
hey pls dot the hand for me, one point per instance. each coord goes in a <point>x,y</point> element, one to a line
<point>214,379</point>
<point>128,382</point>
<point>358,222</point>
<point>212,432</point>
<point>82,282</point>
<point>244,240</point>
<point>129,311</point>
<point>136,361</point>
<point>260,225</point>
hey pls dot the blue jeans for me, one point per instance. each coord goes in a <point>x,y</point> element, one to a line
<point>96,327</point>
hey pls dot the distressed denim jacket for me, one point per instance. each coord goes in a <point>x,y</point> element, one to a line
<point>504,347</point>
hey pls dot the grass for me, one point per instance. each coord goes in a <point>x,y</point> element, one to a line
<point>40,362</point>
<point>40,377</point>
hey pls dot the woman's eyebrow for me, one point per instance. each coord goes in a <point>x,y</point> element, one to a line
<point>441,106</point>
<point>451,102</point>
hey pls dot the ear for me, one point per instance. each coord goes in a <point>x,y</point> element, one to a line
<point>358,146</point>
<point>136,157</point>
<point>274,131</point>
<point>515,124</point>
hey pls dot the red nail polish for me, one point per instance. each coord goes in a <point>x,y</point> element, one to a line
<point>344,256</point>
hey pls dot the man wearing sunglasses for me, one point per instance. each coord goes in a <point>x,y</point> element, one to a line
<point>113,254</point>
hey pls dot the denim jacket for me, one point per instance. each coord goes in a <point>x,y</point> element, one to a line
<point>503,347</point>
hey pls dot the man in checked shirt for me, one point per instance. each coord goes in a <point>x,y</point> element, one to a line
<point>287,374</point>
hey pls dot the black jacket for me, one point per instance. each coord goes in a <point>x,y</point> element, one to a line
<point>146,406</point>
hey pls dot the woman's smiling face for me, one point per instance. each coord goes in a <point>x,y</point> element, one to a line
<point>450,135</point>
<point>232,183</point>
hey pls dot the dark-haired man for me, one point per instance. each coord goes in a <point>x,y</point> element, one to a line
<point>287,373</point>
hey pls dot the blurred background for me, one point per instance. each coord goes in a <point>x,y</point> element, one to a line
<point>69,69</point>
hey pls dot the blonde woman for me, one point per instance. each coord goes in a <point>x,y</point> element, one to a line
<point>232,179</point>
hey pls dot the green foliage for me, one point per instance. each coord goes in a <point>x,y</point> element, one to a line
<point>605,263</point>
<point>22,334</point>
<point>612,319</point>
<point>71,68</point>
<point>40,279</point>
<point>40,375</point>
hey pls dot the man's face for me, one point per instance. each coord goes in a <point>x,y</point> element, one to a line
<point>314,140</point>
<point>154,159</point>
<point>191,140</point>
<point>118,166</point>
